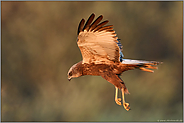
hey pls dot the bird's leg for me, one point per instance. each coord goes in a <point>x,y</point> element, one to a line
<point>126,105</point>
<point>117,100</point>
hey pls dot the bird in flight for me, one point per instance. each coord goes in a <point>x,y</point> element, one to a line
<point>102,56</point>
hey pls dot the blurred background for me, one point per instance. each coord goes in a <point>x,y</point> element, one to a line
<point>39,46</point>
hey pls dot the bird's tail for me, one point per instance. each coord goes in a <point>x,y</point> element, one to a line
<point>141,64</point>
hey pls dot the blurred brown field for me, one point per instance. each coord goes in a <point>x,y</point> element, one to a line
<point>39,46</point>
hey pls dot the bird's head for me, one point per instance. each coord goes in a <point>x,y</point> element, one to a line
<point>75,71</point>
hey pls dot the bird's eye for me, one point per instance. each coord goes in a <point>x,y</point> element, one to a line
<point>70,74</point>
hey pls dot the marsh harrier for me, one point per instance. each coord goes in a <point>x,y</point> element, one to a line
<point>102,56</point>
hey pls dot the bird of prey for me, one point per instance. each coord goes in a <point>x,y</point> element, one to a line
<point>102,56</point>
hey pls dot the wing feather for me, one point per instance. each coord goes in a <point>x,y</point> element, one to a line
<point>100,25</point>
<point>86,27</point>
<point>98,43</point>
<point>81,24</point>
<point>94,24</point>
<point>107,28</point>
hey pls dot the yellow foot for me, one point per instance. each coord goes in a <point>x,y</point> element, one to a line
<point>118,101</point>
<point>126,106</point>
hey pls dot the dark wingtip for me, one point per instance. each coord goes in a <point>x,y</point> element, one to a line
<point>94,26</point>
<point>81,24</point>
<point>90,19</point>
<point>93,14</point>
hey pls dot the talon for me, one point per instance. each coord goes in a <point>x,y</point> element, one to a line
<point>126,106</point>
<point>118,101</point>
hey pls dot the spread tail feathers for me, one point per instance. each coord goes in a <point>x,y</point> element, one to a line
<point>142,65</point>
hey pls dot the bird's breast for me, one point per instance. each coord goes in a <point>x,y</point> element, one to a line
<point>98,69</point>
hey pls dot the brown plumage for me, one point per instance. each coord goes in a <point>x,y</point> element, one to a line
<point>102,56</point>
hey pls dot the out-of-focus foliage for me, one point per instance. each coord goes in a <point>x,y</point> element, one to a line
<point>39,46</point>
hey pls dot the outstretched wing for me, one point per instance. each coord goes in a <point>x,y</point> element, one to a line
<point>98,43</point>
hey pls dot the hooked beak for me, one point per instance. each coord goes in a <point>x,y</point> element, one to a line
<point>69,78</point>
